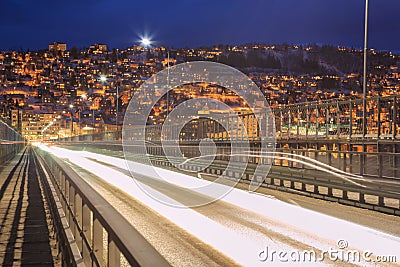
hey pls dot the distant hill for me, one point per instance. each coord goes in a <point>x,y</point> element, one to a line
<point>325,60</point>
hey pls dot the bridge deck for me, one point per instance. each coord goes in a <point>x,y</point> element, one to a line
<point>25,238</point>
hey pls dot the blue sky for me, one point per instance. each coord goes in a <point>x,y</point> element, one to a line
<point>180,23</point>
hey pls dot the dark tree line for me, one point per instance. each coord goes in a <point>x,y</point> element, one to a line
<point>253,58</point>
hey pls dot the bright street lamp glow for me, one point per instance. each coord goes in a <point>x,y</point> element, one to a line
<point>145,42</point>
<point>103,78</point>
<point>84,96</point>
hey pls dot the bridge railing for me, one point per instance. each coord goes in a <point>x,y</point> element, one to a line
<point>340,119</point>
<point>11,142</point>
<point>330,132</point>
<point>97,234</point>
<point>333,120</point>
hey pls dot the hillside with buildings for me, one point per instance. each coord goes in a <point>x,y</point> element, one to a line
<point>62,91</point>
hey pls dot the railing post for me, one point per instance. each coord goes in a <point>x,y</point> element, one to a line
<point>363,159</point>
<point>381,201</point>
<point>350,158</point>
<point>66,194</point>
<point>98,241</point>
<point>87,231</point>
<point>71,201</point>
<point>361,198</point>
<point>329,153</point>
<point>316,191</point>
<point>344,194</point>
<point>380,161</point>
<point>330,193</point>
<point>394,158</point>
<point>114,255</point>
<point>78,216</point>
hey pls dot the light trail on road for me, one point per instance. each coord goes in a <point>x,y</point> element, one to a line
<point>242,224</point>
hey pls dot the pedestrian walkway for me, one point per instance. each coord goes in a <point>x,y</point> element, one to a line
<point>25,235</point>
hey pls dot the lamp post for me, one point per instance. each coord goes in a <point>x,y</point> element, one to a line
<point>146,43</point>
<point>93,126</point>
<point>103,79</point>
<point>365,71</point>
<point>116,112</point>
<point>167,82</point>
<point>72,119</point>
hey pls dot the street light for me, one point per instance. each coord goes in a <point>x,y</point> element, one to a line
<point>365,71</point>
<point>103,79</point>
<point>146,43</point>
<point>72,118</point>
<point>93,119</point>
<point>116,112</point>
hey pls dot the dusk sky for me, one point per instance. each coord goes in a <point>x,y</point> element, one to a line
<point>191,23</point>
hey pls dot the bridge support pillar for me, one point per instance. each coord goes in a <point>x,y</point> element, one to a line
<point>292,185</point>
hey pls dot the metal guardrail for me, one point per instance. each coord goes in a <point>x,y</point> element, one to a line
<point>329,132</point>
<point>379,164</point>
<point>322,120</point>
<point>100,235</point>
<point>11,142</point>
<point>340,119</point>
<point>386,197</point>
<point>380,193</point>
